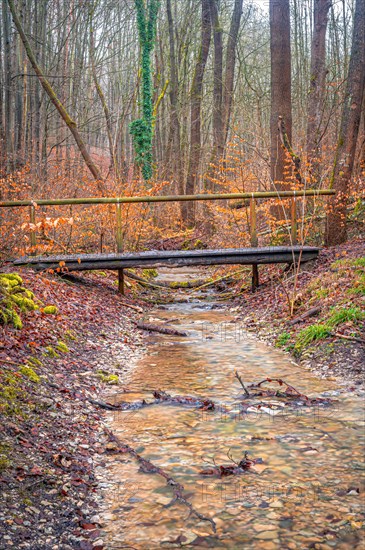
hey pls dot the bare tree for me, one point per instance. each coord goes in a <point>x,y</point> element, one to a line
<point>317,80</point>
<point>336,231</point>
<point>195,111</point>
<point>280,87</point>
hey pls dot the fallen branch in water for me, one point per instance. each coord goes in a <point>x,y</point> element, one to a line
<point>157,328</point>
<point>204,404</point>
<point>149,468</point>
<point>242,384</point>
<point>288,393</point>
<point>235,469</point>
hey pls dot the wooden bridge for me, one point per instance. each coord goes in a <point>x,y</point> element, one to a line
<point>242,256</point>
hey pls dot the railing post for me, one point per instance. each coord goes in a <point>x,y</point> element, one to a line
<point>119,240</point>
<point>294,220</point>
<point>254,241</point>
<point>33,237</point>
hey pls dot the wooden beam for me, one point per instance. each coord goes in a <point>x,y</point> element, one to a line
<point>246,256</point>
<point>170,198</point>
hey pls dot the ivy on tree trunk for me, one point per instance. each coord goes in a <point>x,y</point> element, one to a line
<point>142,128</point>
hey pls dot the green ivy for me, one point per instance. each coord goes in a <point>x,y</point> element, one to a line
<point>142,128</point>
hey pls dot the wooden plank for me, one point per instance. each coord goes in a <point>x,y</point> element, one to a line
<point>163,254</point>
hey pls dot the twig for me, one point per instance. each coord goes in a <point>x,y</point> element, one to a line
<point>352,338</point>
<point>149,468</point>
<point>242,384</point>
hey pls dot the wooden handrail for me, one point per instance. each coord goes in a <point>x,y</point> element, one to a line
<point>169,198</point>
<point>118,201</point>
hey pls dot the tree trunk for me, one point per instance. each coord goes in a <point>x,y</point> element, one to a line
<point>317,81</point>
<point>175,146</point>
<point>53,97</point>
<point>8,88</point>
<point>230,67</point>
<point>336,230</point>
<point>195,113</point>
<point>218,146</point>
<point>280,87</point>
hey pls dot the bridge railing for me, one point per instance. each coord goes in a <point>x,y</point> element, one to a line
<point>293,195</point>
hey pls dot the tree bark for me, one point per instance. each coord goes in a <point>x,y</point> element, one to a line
<point>218,146</point>
<point>336,228</point>
<point>317,80</point>
<point>175,146</point>
<point>195,112</point>
<point>280,87</point>
<point>230,67</point>
<point>53,97</point>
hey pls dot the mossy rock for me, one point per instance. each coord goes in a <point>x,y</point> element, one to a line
<point>111,379</point>
<point>50,310</point>
<point>14,299</point>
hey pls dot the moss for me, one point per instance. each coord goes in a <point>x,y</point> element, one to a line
<point>11,395</point>
<point>5,461</point>
<point>50,310</point>
<point>12,278</point>
<point>199,245</point>
<point>69,335</point>
<point>24,303</point>
<point>28,372</point>
<point>149,273</point>
<point>62,347</point>
<point>111,379</point>
<point>50,352</point>
<point>310,334</point>
<point>34,362</point>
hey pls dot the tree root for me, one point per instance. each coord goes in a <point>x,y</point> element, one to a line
<point>149,468</point>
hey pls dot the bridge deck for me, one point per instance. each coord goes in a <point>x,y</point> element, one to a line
<point>174,258</point>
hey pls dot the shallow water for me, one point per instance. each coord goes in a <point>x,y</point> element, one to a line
<point>303,495</point>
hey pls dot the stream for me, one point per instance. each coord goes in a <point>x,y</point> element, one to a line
<point>306,493</point>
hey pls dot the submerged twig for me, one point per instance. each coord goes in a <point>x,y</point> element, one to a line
<point>242,384</point>
<point>149,468</point>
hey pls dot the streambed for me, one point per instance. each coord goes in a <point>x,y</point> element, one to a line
<point>308,490</point>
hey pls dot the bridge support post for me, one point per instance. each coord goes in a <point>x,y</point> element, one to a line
<point>293,221</point>
<point>119,240</point>
<point>255,277</point>
<point>254,242</point>
<point>33,238</point>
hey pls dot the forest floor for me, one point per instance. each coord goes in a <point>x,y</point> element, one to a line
<point>52,431</point>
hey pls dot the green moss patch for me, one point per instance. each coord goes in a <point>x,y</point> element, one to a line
<point>15,299</point>
<point>62,347</point>
<point>29,373</point>
<point>50,310</point>
<point>112,379</point>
